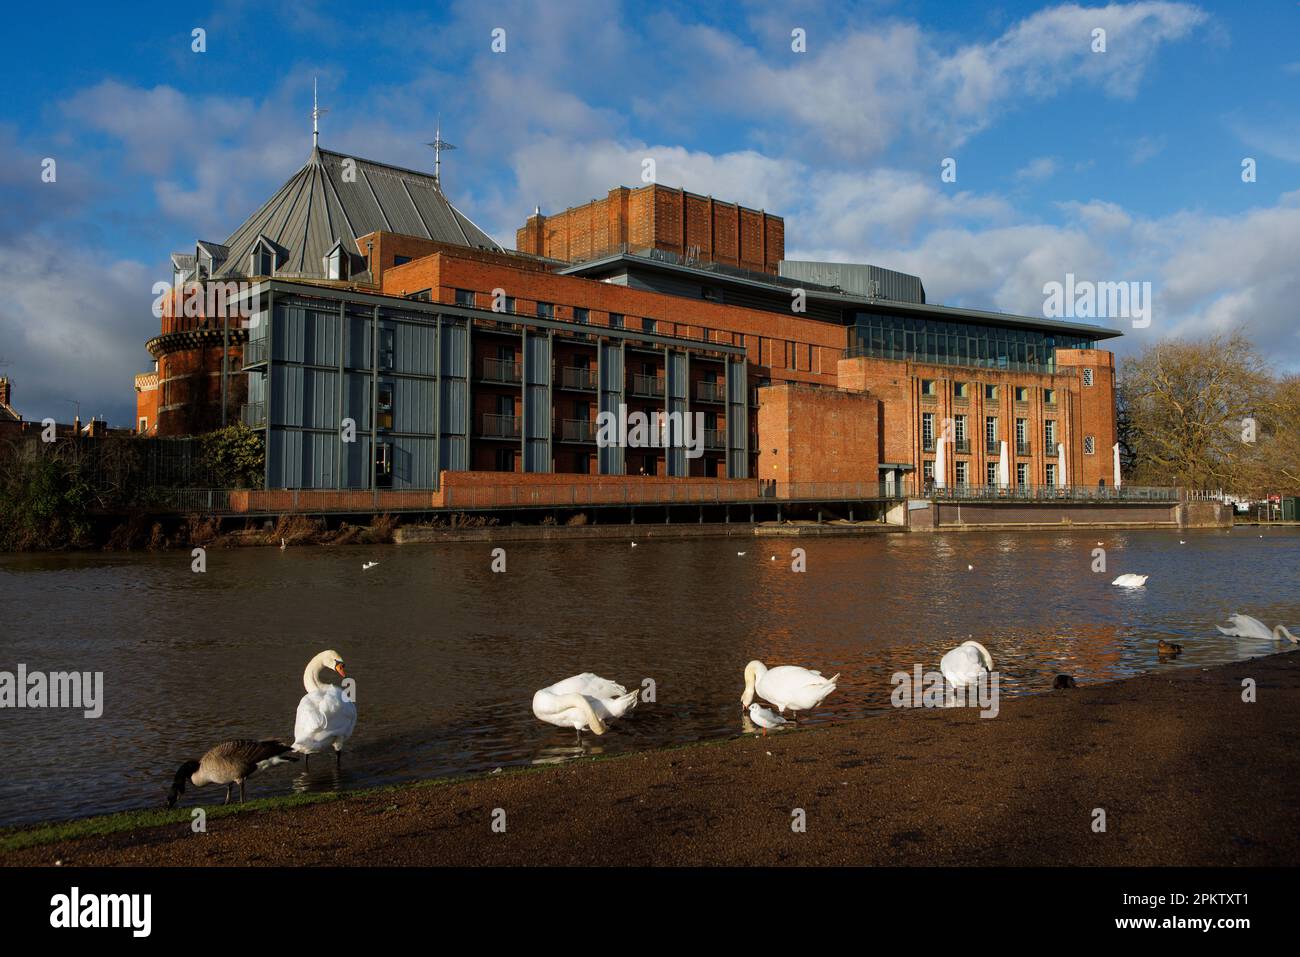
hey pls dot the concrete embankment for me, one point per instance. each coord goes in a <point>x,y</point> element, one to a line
<point>1184,770</point>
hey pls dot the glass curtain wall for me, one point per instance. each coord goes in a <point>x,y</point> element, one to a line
<point>891,336</point>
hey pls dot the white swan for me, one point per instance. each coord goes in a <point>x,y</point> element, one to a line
<point>1244,626</point>
<point>764,718</point>
<point>326,718</point>
<point>1131,581</point>
<point>965,663</point>
<point>585,701</point>
<point>786,686</point>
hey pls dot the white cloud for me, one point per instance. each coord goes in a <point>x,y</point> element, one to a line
<point>1040,168</point>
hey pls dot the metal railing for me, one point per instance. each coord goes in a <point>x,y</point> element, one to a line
<point>961,445</point>
<point>715,438</point>
<point>577,430</point>
<point>501,370</point>
<point>253,414</point>
<point>1044,493</point>
<point>573,377</point>
<point>647,385</point>
<point>1022,448</point>
<point>993,446</point>
<point>710,391</point>
<point>500,426</point>
<point>256,351</point>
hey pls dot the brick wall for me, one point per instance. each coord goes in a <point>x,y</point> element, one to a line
<point>784,348</point>
<point>812,434</point>
<point>663,218</point>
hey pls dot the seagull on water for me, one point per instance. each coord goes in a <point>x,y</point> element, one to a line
<point>366,566</point>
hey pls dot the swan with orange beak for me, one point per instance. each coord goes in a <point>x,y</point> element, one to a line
<point>327,715</point>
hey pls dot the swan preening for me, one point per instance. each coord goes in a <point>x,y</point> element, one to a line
<point>786,686</point>
<point>583,702</point>
<point>326,716</point>
<point>764,718</point>
<point>229,763</point>
<point>966,663</point>
<point>1131,581</point>
<point>1244,626</point>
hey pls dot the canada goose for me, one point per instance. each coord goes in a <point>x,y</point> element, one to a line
<point>326,716</point>
<point>1168,647</point>
<point>966,663</point>
<point>229,763</point>
<point>786,686</point>
<point>764,718</point>
<point>586,701</point>
<point>1063,681</point>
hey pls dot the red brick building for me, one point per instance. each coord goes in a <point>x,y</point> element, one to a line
<point>697,228</point>
<point>444,353</point>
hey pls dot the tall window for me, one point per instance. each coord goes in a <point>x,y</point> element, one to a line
<point>1049,436</point>
<point>927,430</point>
<point>991,393</point>
<point>961,471</point>
<point>545,310</point>
<point>991,434</point>
<point>384,407</point>
<point>959,433</point>
<point>1051,474</point>
<point>616,320</point>
<point>991,472</point>
<point>1022,474</point>
<point>927,470</point>
<point>581,315</point>
<point>1089,445</point>
<point>1087,377</point>
<point>1022,436</point>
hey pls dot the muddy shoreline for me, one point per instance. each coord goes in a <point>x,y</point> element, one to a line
<point>1185,771</point>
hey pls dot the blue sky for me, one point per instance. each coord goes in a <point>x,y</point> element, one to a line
<point>1115,166</point>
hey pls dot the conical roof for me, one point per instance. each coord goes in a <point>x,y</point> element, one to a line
<point>337,198</point>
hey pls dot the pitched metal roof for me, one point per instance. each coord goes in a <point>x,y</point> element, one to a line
<point>337,198</point>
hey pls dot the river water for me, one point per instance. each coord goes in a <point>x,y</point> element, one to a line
<point>446,654</point>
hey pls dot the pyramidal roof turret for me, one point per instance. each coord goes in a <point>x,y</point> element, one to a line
<point>335,199</point>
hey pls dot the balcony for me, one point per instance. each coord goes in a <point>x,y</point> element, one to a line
<point>711,391</point>
<point>253,415</point>
<point>501,370</point>
<point>1022,448</point>
<point>256,351</point>
<point>961,445</point>
<point>715,438</point>
<point>500,426</point>
<point>577,430</point>
<point>648,385</point>
<point>993,446</point>
<point>578,379</point>
<point>927,445</point>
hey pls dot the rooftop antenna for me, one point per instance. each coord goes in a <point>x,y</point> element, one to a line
<point>316,111</point>
<point>438,144</point>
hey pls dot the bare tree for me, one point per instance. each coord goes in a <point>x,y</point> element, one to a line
<point>1189,410</point>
